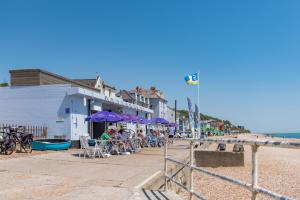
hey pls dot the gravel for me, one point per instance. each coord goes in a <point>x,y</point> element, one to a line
<point>279,171</point>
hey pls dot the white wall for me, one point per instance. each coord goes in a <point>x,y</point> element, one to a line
<point>159,107</point>
<point>129,111</point>
<point>109,92</point>
<point>37,106</point>
<point>170,115</point>
<point>78,114</point>
<point>155,107</point>
<point>96,105</point>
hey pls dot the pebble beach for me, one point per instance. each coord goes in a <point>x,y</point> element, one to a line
<point>279,171</point>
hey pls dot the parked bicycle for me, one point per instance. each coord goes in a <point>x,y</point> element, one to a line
<point>7,143</point>
<point>21,138</point>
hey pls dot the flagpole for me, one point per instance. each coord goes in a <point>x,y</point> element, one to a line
<point>199,123</point>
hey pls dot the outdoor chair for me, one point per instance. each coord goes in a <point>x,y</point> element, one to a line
<point>104,148</point>
<point>115,147</point>
<point>134,143</point>
<point>124,147</point>
<point>81,142</point>
<point>152,140</point>
<point>88,150</point>
<point>221,147</point>
<point>238,148</point>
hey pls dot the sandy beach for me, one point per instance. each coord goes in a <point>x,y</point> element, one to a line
<point>279,170</point>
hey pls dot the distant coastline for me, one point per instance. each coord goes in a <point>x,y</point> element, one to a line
<point>283,135</point>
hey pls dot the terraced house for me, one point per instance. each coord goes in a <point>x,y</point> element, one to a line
<point>156,99</point>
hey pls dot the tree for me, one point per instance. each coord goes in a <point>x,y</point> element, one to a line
<point>184,113</point>
<point>3,84</point>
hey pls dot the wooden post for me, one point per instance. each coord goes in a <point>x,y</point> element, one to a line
<point>191,184</point>
<point>254,171</point>
<point>165,164</point>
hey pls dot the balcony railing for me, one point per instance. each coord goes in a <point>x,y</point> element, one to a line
<point>143,104</point>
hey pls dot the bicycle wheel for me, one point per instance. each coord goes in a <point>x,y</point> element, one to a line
<point>10,148</point>
<point>27,146</point>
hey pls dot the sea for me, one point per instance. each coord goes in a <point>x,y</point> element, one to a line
<point>285,135</point>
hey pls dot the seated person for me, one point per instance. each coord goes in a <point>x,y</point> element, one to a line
<point>108,137</point>
<point>105,136</point>
<point>123,137</point>
<point>152,138</point>
<point>171,133</point>
<point>142,137</point>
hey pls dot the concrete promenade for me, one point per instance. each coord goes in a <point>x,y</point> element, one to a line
<point>63,175</point>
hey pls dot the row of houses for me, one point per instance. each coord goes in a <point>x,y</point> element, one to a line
<point>41,98</point>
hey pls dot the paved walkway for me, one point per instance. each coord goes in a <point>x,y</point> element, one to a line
<point>64,176</point>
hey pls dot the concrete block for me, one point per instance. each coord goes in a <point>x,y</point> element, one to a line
<point>205,158</point>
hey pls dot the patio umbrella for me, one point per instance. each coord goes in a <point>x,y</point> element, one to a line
<point>173,124</point>
<point>159,120</point>
<point>142,120</point>
<point>104,116</point>
<point>129,118</point>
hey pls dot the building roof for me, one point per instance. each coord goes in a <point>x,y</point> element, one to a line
<point>151,93</point>
<point>64,79</point>
<point>92,82</point>
<point>125,95</point>
<point>89,82</point>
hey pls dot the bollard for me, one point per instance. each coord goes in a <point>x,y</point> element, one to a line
<point>165,164</point>
<point>254,170</point>
<point>191,184</point>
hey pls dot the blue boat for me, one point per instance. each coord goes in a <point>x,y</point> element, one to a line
<point>51,144</point>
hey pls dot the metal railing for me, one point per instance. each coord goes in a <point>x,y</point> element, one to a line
<point>36,131</point>
<point>253,186</point>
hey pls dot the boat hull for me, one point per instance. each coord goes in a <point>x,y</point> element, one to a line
<point>51,144</point>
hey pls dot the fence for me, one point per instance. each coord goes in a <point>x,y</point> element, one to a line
<point>36,131</point>
<point>253,186</point>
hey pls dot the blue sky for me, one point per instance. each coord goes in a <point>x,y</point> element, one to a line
<point>247,52</point>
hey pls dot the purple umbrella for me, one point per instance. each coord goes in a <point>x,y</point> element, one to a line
<point>104,116</point>
<point>159,120</point>
<point>173,124</point>
<point>129,118</point>
<point>142,120</point>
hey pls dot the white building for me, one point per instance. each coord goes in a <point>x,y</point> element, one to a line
<point>170,114</point>
<point>157,101</point>
<point>135,98</point>
<point>41,98</point>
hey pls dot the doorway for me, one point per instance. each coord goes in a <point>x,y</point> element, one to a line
<point>98,129</point>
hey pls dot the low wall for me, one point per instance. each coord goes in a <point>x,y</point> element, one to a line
<point>205,158</point>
